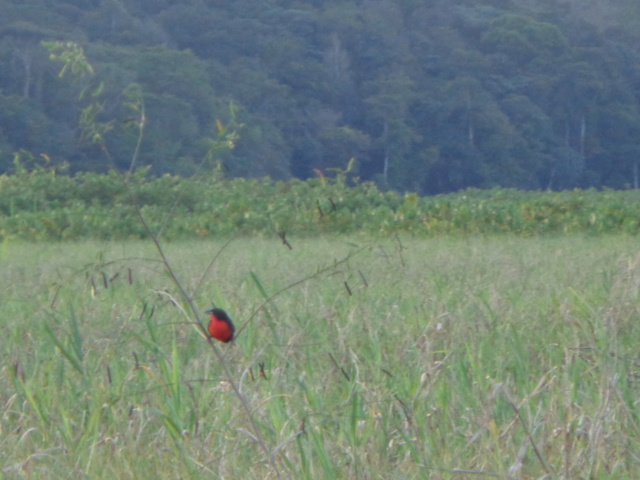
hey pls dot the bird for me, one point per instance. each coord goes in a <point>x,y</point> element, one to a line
<point>220,326</point>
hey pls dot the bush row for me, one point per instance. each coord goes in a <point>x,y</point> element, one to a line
<point>43,205</point>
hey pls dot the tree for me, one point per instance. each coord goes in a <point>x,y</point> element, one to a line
<point>521,38</point>
<point>389,102</point>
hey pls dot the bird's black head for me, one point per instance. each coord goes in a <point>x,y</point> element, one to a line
<point>219,314</point>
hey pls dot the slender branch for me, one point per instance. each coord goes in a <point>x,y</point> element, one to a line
<point>243,401</point>
<point>295,284</point>
<point>195,311</point>
<point>212,263</point>
<point>530,437</point>
<point>136,152</point>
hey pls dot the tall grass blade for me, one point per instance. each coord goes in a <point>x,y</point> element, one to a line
<point>69,354</point>
<point>274,331</point>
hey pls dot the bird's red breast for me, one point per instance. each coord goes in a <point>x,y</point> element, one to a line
<point>220,326</point>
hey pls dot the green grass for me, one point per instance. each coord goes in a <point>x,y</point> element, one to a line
<point>508,357</point>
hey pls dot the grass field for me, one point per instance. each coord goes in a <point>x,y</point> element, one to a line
<point>446,358</point>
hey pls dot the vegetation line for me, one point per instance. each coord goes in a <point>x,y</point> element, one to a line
<point>43,204</point>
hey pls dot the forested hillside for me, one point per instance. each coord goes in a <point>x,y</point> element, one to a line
<point>428,96</point>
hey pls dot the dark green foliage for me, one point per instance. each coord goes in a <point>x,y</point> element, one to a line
<point>43,204</point>
<point>428,96</point>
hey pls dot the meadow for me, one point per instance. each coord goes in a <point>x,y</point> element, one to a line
<point>369,357</point>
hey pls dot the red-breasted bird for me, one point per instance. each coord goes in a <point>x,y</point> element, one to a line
<point>220,326</point>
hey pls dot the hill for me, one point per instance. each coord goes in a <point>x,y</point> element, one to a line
<point>429,97</point>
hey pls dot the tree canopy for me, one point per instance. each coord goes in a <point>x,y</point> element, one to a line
<point>429,97</point>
